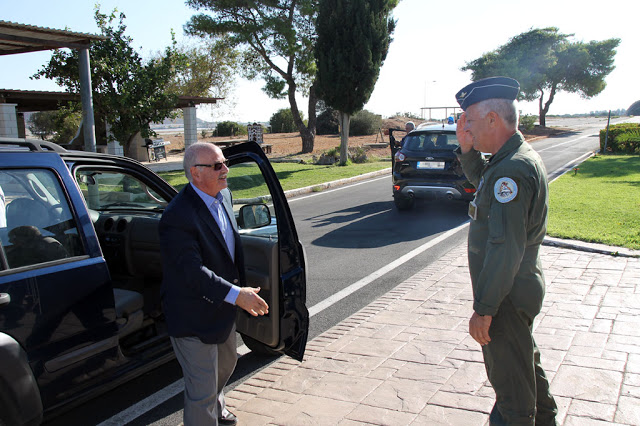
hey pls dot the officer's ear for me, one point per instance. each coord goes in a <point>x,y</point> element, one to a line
<point>493,118</point>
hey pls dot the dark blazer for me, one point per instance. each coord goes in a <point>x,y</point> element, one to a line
<point>198,270</point>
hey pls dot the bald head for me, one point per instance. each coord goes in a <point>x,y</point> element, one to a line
<point>193,155</point>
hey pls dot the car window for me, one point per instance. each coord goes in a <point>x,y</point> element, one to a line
<point>248,187</point>
<point>38,223</point>
<point>431,141</point>
<point>114,190</point>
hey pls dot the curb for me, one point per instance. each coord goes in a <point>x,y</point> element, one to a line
<point>591,247</point>
<point>336,183</point>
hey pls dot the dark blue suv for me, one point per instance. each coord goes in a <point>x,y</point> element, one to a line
<point>80,272</point>
<point>426,167</point>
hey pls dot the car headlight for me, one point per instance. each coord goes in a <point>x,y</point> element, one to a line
<point>400,156</point>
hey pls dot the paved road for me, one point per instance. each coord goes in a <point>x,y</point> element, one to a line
<point>351,235</point>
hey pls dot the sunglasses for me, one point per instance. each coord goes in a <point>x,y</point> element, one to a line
<point>215,166</point>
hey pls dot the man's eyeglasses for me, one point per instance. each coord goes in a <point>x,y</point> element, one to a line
<point>215,166</point>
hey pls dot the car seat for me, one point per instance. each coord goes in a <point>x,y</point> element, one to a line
<point>441,141</point>
<point>25,211</point>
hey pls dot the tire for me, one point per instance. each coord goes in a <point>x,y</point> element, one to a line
<point>404,203</point>
<point>259,348</point>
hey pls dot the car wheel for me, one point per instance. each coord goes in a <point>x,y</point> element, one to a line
<point>403,203</point>
<point>257,347</point>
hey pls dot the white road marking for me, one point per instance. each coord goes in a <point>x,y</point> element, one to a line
<point>565,143</point>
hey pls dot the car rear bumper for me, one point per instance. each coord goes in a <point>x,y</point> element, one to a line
<point>433,192</point>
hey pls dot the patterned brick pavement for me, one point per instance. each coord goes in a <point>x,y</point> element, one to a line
<point>407,359</point>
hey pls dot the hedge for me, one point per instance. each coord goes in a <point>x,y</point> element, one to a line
<point>623,138</point>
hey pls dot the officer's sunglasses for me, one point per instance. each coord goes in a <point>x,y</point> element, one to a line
<point>216,166</point>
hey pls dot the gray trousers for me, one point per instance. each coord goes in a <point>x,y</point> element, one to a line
<point>206,369</point>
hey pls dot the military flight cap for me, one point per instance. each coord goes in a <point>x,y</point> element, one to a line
<point>488,88</point>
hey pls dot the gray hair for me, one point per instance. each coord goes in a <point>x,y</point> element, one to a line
<point>191,156</point>
<point>506,109</point>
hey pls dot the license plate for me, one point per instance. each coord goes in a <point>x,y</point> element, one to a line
<point>430,165</point>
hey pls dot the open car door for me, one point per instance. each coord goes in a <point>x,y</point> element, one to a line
<point>274,257</point>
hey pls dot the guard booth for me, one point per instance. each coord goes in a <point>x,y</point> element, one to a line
<point>156,149</point>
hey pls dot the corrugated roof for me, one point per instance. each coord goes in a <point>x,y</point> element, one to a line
<point>33,100</point>
<point>21,38</point>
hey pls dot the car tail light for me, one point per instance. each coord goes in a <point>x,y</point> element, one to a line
<point>400,156</point>
<point>469,190</point>
<point>396,187</point>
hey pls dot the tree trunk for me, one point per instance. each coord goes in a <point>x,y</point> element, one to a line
<point>307,133</point>
<point>544,110</point>
<point>541,114</point>
<point>345,121</point>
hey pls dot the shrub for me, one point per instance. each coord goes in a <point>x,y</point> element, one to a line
<point>365,123</point>
<point>528,121</point>
<point>327,122</point>
<point>623,138</point>
<point>358,155</point>
<point>282,121</point>
<point>230,128</point>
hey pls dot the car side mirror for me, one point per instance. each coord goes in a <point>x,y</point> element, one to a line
<point>252,216</point>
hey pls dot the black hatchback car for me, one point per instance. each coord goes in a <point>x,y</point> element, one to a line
<point>80,272</point>
<point>426,167</point>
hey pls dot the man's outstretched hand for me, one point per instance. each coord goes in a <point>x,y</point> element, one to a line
<point>249,300</point>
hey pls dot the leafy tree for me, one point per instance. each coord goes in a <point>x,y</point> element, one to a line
<point>206,70</point>
<point>544,60</point>
<point>282,121</point>
<point>328,122</point>
<point>127,92</point>
<point>634,109</point>
<point>42,124</point>
<point>59,126</point>
<point>353,41</point>
<point>278,38</point>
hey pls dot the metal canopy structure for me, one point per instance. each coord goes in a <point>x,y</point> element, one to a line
<point>22,38</point>
<point>31,100</point>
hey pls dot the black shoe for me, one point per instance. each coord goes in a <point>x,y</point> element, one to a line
<point>230,420</point>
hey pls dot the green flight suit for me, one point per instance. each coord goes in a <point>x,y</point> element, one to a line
<point>506,273</point>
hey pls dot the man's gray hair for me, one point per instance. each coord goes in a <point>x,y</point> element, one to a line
<point>191,155</point>
<point>506,109</point>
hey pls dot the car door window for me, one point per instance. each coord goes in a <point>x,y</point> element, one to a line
<point>249,189</point>
<point>39,224</point>
<point>113,190</point>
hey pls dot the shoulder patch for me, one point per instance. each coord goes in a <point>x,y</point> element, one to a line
<point>505,190</point>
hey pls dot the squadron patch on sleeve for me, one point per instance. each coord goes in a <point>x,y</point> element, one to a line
<point>505,190</point>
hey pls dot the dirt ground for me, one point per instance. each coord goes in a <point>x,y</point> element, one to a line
<point>289,145</point>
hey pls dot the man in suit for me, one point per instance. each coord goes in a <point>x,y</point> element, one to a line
<point>203,275</point>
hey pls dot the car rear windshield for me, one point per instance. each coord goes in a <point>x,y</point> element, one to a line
<point>431,141</point>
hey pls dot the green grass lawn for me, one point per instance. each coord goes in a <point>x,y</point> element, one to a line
<point>246,184</point>
<point>600,203</point>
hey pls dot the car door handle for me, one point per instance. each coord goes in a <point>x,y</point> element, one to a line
<point>5,299</point>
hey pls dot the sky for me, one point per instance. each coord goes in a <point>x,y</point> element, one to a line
<point>432,41</point>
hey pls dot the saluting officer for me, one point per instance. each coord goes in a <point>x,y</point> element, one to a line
<point>509,219</point>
